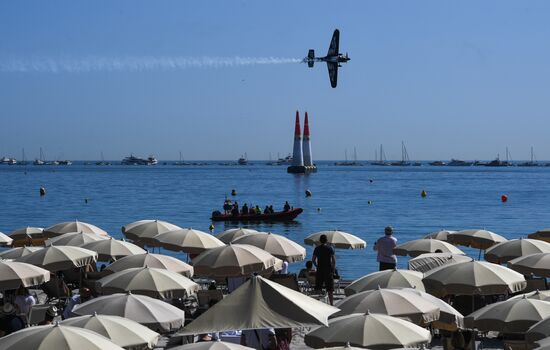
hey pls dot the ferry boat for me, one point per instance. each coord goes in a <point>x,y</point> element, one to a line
<point>131,160</point>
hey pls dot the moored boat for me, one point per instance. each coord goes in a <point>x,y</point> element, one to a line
<point>277,216</point>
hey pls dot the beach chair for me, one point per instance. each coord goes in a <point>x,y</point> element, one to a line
<point>37,314</point>
<point>288,280</point>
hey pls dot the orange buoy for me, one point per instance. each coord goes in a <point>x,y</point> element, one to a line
<point>504,198</point>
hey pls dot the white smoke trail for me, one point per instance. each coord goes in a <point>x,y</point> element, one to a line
<point>130,63</point>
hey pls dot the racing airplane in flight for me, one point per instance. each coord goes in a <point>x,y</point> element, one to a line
<point>333,58</point>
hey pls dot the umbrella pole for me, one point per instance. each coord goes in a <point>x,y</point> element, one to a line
<point>479,256</point>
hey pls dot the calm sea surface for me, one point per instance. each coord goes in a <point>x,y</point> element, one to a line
<point>458,198</point>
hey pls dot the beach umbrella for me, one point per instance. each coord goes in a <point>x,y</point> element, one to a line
<point>76,239</point>
<point>543,344</point>
<point>5,240</point>
<point>145,230</point>
<point>152,260</point>
<point>509,316</point>
<point>15,274</point>
<point>537,294</point>
<point>234,260</point>
<point>480,239</point>
<point>15,253</point>
<point>156,283</point>
<point>72,226</point>
<point>261,303</point>
<point>58,337</point>
<point>420,246</point>
<point>533,264</point>
<point>450,319</point>
<point>429,261</point>
<point>187,240</point>
<point>112,249</point>
<point>56,258</point>
<point>230,235</point>
<point>543,235</point>
<point>28,236</point>
<point>538,331</point>
<point>393,302</point>
<point>121,331</point>
<point>337,239</point>
<point>152,313</point>
<point>473,278</point>
<point>386,279</point>
<point>509,250</point>
<point>440,235</point>
<point>277,245</point>
<point>372,331</point>
<point>212,345</point>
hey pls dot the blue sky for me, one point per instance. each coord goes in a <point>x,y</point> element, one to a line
<point>460,79</point>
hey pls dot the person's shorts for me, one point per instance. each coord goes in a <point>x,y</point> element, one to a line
<point>324,280</point>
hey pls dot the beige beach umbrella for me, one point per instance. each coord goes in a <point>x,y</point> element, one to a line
<point>509,316</point>
<point>212,345</point>
<point>429,261</point>
<point>534,264</point>
<point>473,278</point>
<point>450,319</point>
<point>152,313</point>
<point>72,226</point>
<point>261,303</point>
<point>337,239</point>
<point>440,235</point>
<point>372,331</point>
<point>145,230</point>
<point>5,240</point>
<point>386,279</point>
<point>543,295</point>
<point>232,234</point>
<point>509,250</point>
<point>420,246</point>
<point>75,239</point>
<point>480,239</point>
<point>538,331</point>
<point>234,260</point>
<point>277,245</point>
<point>56,258</point>
<point>15,253</point>
<point>156,283</point>
<point>28,236</point>
<point>112,249</point>
<point>543,344</point>
<point>393,302</point>
<point>121,331</point>
<point>152,260</point>
<point>15,274</point>
<point>543,235</point>
<point>56,337</point>
<point>187,240</point>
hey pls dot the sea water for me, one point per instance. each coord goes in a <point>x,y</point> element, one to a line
<point>361,200</point>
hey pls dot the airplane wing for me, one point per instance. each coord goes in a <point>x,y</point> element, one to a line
<point>333,73</point>
<point>334,44</point>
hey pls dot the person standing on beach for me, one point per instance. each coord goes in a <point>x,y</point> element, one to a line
<point>384,246</point>
<point>325,262</point>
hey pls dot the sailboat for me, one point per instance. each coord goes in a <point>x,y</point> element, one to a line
<point>102,162</point>
<point>497,162</point>
<point>532,162</point>
<point>270,162</point>
<point>348,163</point>
<point>382,160</point>
<point>243,160</point>
<point>40,161</point>
<point>181,161</point>
<point>23,160</point>
<point>404,157</point>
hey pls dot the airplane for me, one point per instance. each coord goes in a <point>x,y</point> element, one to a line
<point>333,58</point>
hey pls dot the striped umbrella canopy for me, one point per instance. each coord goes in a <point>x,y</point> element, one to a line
<point>386,279</point>
<point>337,239</point>
<point>417,247</point>
<point>515,248</point>
<point>230,235</point>
<point>72,226</point>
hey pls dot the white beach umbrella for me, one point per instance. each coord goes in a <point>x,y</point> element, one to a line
<point>509,250</point>
<point>537,294</point>
<point>187,240</point>
<point>372,331</point>
<point>15,274</point>
<point>15,253</point>
<point>230,235</point>
<point>145,230</point>
<point>543,344</point>
<point>110,249</point>
<point>538,331</point>
<point>480,239</point>
<point>73,226</point>
<point>338,239</point>
<point>55,258</point>
<point>121,331</point>
<point>234,260</point>
<point>386,279</point>
<point>534,264</point>
<point>5,240</point>
<point>152,313</point>
<point>152,260</point>
<point>27,236</point>
<point>473,278</point>
<point>420,246</point>
<point>56,337</point>
<point>429,261</point>
<point>277,245</point>
<point>76,239</point>
<point>440,235</point>
<point>212,345</point>
<point>156,283</point>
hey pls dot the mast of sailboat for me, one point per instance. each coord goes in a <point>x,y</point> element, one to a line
<point>381,151</point>
<point>346,154</point>
<point>532,156</point>
<point>354,154</point>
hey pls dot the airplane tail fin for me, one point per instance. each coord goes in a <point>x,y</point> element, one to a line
<point>310,58</point>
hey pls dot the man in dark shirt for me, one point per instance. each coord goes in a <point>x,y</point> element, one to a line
<point>325,261</point>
